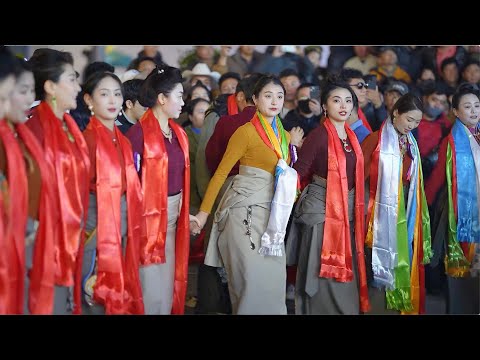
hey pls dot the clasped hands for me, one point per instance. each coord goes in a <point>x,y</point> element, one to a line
<point>197,222</point>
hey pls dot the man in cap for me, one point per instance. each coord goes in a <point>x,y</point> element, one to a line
<point>393,91</point>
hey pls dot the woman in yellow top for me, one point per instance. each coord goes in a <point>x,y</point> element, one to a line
<point>250,222</point>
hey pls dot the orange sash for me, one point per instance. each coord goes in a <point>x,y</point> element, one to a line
<point>336,257</point>
<point>71,179</point>
<point>17,212</point>
<point>118,285</point>
<point>42,273</point>
<point>155,190</point>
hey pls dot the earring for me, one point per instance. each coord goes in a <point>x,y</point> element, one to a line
<point>325,112</point>
<point>90,107</point>
<point>54,103</point>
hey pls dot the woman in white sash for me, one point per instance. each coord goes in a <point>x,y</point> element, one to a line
<point>250,222</point>
<point>398,223</point>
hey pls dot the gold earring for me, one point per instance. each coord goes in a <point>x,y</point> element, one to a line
<point>90,107</point>
<point>54,103</point>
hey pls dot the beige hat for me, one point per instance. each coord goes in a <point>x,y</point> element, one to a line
<point>201,69</point>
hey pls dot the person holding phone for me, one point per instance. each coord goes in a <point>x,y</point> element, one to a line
<point>371,108</point>
<point>307,113</point>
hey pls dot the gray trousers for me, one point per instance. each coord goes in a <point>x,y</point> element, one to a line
<point>63,296</point>
<point>89,250</point>
<point>158,279</point>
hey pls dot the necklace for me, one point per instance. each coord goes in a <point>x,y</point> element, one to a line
<point>167,135</point>
<point>476,133</point>
<point>402,142</point>
<point>69,135</point>
<point>346,146</point>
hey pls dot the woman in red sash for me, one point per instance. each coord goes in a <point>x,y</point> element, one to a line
<point>160,153</point>
<point>32,210</point>
<point>7,263</point>
<point>249,225</point>
<point>110,275</point>
<point>66,156</point>
<point>326,238</point>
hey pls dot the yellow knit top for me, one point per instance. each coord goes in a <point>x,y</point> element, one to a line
<point>244,145</point>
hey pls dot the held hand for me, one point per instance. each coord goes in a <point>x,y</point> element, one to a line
<point>202,218</point>
<point>296,136</point>
<point>194,225</point>
<point>194,219</point>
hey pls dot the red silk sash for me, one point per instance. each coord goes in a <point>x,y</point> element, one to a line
<point>4,289</point>
<point>155,190</point>
<point>118,285</point>
<point>232,107</point>
<point>362,116</point>
<point>17,213</point>
<point>71,179</point>
<point>42,273</point>
<point>336,256</point>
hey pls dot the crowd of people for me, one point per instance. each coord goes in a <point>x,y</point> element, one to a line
<point>350,189</point>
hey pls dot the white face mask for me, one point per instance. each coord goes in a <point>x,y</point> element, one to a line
<point>289,48</point>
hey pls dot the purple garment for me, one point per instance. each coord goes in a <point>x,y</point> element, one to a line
<point>313,157</point>
<point>176,161</point>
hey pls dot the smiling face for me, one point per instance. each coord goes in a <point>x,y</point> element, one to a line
<point>468,110</point>
<point>21,98</point>
<point>339,104</point>
<point>106,99</point>
<point>270,100</point>
<point>406,122</point>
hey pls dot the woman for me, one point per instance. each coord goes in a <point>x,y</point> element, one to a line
<point>453,191</point>
<point>33,210</point>
<point>399,239</point>
<point>110,275</point>
<point>160,149</point>
<point>326,238</point>
<point>196,115</point>
<point>66,155</point>
<point>259,197</point>
<point>7,83</point>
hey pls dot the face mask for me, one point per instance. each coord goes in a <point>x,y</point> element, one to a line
<point>303,106</point>
<point>432,112</point>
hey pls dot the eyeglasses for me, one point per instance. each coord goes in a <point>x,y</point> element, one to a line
<point>360,85</point>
